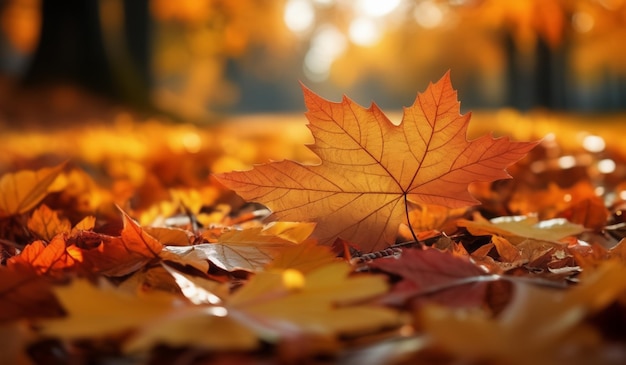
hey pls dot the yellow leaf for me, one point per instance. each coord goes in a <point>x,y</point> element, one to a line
<point>291,231</point>
<point>151,318</point>
<point>201,327</point>
<point>101,311</point>
<point>322,302</point>
<point>304,257</point>
<point>522,226</point>
<point>85,224</point>
<point>23,190</point>
<point>46,223</point>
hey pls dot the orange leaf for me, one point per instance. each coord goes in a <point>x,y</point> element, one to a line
<point>46,223</point>
<point>506,250</point>
<point>115,256</point>
<point>119,256</point>
<point>47,258</point>
<point>23,190</point>
<point>304,257</point>
<point>371,168</point>
<point>590,212</point>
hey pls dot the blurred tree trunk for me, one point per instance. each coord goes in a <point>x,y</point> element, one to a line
<point>537,77</point>
<point>83,44</point>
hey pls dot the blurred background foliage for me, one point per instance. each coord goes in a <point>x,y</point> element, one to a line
<point>95,84</point>
<point>198,59</point>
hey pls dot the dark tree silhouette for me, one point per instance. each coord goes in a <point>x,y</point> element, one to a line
<point>73,50</point>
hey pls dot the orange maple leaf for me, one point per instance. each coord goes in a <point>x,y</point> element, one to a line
<point>371,168</point>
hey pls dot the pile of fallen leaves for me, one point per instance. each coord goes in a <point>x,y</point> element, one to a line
<point>377,254</point>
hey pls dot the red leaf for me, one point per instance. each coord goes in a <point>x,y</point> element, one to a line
<point>435,276</point>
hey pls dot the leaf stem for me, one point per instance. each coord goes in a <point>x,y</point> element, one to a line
<point>408,222</point>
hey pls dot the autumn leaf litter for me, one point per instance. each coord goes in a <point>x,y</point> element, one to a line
<point>379,249</point>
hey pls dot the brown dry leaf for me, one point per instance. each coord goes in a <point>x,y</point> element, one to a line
<point>507,251</point>
<point>371,168</point>
<point>537,327</point>
<point>532,249</point>
<point>46,223</point>
<point>119,256</point>
<point>21,191</point>
<point>248,249</point>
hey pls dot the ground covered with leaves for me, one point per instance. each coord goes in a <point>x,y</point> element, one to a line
<point>120,244</point>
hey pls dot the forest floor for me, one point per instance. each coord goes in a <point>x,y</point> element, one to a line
<point>119,246</point>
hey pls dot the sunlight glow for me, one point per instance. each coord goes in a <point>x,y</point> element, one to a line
<point>364,32</point>
<point>428,14</point>
<point>326,45</point>
<point>567,162</point>
<point>622,194</point>
<point>599,191</point>
<point>376,8</point>
<point>192,142</point>
<point>606,166</point>
<point>217,311</point>
<point>594,143</point>
<point>299,15</point>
